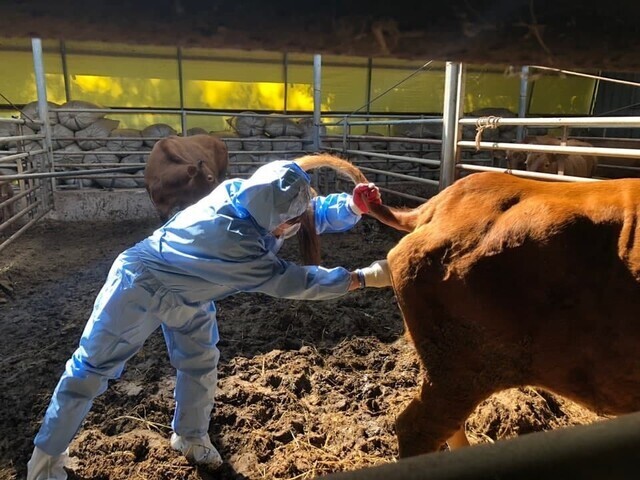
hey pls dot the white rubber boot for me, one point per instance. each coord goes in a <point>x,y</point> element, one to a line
<point>197,450</point>
<point>43,466</point>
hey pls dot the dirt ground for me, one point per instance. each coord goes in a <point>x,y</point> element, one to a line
<point>305,388</point>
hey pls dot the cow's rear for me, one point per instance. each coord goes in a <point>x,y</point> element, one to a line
<point>508,282</point>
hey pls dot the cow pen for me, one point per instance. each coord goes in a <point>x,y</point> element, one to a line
<point>305,389</point>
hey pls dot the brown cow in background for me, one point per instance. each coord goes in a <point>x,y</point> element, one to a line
<point>182,170</point>
<point>617,167</point>
<point>556,163</point>
<point>505,282</point>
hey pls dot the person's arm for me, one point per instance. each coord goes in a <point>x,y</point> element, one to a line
<point>247,266</point>
<point>318,281</point>
<point>334,213</point>
<point>340,211</point>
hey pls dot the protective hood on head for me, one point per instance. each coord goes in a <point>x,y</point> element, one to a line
<point>274,194</point>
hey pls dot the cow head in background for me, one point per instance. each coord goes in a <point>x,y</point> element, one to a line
<point>553,163</point>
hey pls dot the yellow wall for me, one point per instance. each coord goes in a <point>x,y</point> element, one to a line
<point>147,77</point>
<point>561,96</point>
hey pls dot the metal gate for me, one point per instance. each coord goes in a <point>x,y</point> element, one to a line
<point>23,200</point>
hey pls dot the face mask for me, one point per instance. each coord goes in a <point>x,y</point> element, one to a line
<point>290,231</point>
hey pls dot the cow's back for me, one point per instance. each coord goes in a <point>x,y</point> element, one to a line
<point>182,170</point>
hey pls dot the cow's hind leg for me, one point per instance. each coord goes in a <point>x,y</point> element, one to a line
<point>436,415</point>
<point>458,439</point>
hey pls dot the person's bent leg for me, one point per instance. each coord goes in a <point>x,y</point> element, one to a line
<point>193,352</point>
<point>116,330</point>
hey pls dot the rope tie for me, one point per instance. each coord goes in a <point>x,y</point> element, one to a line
<point>482,124</point>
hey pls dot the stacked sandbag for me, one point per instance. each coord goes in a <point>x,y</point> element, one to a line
<point>125,140</point>
<point>79,120</point>
<point>402,148</point>
<point>196,131</point>
<point>105,158</point>
<point>373,145</point>
<point>91,137</point>
<point>308,129</point>
<point>288,143</point>
<point>256,144</point>
<point>8,130</point>
<point>249,125</point>
<point>61,136</point>
<point>136,159</point>
<point>255,133</point>
<point>232,144</point>
<point>277,126</point>
<point>242,163</point>
<point>159,130</point>
<point>12,130</point>
<point>417,130</point>
<point>70,155</point>
<point>30,114</point>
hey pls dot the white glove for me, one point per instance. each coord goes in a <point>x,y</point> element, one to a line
<point>197,450</point>
<point>43,466</point>
<point>375,275</point>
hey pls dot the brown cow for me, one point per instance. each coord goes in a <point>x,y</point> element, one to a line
<point>617,167</point>
<point>182,170</point>
<point>505,282</point>
<point>571,164</point>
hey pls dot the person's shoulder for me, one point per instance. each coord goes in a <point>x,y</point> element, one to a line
<point>239,241</point>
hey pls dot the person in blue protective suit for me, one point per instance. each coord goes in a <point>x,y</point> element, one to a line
<point>225,243</point>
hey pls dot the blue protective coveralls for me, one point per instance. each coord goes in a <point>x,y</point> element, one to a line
<point>214,248</point>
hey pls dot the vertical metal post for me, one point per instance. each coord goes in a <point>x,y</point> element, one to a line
<point>452,109</point>
<point>369,75</point>
<point>22,186</point>
<point>317,100</point>
<point>183,114</point>
<point>43,112</point>
<point>524,101</point>
<point>65,70</point>
<point>285,78</point>
<point>594,94</point>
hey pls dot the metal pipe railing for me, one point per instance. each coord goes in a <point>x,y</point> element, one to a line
<point>526,173</point>
<point>21,230</point>
<point>18,156</point>
<point>401,158</point>
<point>530,147</point>
<point>16,138</point>
<point>430,141</point>
<point>18,196</point>
<point>4,225</point>
<point>18,121</point>
<point>147,152</point>
<point>400,175</point>
<point>434,121</point>
<point>23,176</point>
<point>559,121</point>
<point>402,194</point>
<point>138,139</point>
<point>177,111</point>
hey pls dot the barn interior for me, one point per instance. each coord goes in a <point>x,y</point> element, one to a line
<point>416,94</point>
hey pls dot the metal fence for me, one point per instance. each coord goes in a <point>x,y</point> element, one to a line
<point>24,199</point>
<point>461,148</point>
<point>411,157</point>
